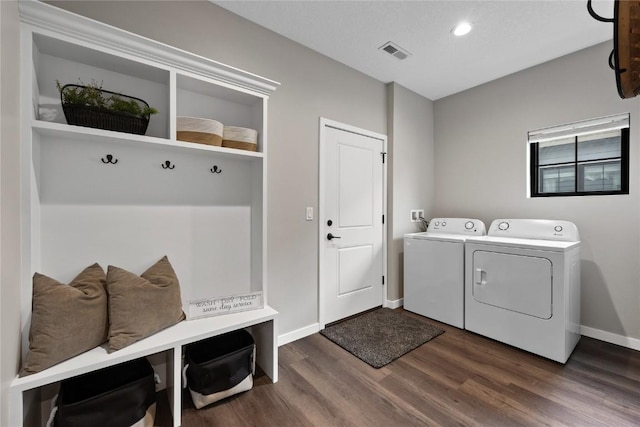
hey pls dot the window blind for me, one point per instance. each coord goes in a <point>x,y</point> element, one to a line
<point>586,127</point>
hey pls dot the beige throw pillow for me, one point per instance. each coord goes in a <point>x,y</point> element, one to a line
<point>66,320</point>
<point>140,306</point>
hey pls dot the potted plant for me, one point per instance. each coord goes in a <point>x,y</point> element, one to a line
<point>92,106</point>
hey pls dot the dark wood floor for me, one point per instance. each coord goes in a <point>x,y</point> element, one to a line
<point>459,378</point>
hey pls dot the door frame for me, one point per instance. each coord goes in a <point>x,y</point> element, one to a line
<point>324,123</point>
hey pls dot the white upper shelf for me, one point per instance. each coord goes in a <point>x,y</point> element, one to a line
<point>126,44</point>
<point>45,128</point>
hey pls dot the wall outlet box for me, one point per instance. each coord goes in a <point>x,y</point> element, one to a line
<point>416,214</point>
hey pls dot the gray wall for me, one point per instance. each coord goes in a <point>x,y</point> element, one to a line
<point>410,173</point>
<point>478,145</point>
<point>9,202</point>
<point>312,86</point>
<point>481,172</point>
<point>476,155</point>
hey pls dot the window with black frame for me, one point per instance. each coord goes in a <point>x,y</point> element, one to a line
<point>584,158</point>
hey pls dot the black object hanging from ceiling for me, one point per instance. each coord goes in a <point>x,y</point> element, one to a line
<point>625,57</point>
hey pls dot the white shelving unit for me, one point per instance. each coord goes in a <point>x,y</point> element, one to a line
<point>78,210</point>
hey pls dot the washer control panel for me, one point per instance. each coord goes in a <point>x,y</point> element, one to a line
<point>539,229</point>
<point>469,226</point>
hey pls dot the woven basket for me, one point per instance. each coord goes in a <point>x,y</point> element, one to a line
<point>95,117</point>
<point>200,131</point>
<point>240,138</point>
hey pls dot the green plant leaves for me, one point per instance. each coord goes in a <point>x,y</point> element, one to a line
<point>92,95</point>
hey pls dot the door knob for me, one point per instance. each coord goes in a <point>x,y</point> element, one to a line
<point>331,236</point>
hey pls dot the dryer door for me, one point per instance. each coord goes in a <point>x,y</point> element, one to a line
<point>514,282</point>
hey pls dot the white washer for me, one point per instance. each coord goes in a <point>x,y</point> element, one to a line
<point>523,285</point>
<point>434,269</point>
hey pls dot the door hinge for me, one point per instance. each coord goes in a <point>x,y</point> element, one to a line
<point>383,280</point>
<point>384,156</point>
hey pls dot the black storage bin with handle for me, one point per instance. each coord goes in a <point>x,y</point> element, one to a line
<point>219,367</point>
<point>123,395</point>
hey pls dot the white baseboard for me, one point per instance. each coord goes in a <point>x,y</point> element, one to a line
<point>610,337</point>
<point>395,303</point>
<point>298,334</point>
<point>621,340</point>
<point>288,337</point>
<point>292,336</point>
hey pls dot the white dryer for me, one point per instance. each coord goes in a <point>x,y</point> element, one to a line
<point>523,285</point>
<point>434,269</point>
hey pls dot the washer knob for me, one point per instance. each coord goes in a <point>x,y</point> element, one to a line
<point>503,226</point>
<point>444,223</point>
<point>558,228</point>
<point>469,225</point>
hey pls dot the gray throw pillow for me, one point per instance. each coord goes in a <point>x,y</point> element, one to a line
<point>140,306</point>
<point>66,320</point>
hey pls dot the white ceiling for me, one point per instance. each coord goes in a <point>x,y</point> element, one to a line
<point>508,36</point>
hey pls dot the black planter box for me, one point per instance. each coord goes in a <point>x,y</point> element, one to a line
<point>81,115</point>
<point>102,118</point>
<point>220,366</point>
<point>117,396</point>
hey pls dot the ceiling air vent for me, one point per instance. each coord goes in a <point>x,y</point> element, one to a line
<point>394,50</point>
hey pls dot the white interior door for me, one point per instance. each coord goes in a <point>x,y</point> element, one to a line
<point>352,255</point>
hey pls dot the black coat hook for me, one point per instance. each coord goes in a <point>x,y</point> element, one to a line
<point>109,159</point>
<point>215,169</point>
<point>167,165</point>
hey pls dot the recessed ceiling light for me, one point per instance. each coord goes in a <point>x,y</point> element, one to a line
<point>461,29</point>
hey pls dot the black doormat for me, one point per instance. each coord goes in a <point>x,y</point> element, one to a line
<point>381,336</point>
